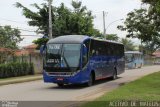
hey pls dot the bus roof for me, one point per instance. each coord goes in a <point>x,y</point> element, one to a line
<point>76,39</point>
<point>110,41</point>
<point>69,39</point>
<point>133,52</point>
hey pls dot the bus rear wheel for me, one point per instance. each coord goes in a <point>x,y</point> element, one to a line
<point>140,66</point>
<point>90,82</point>
<point>114,77</point>
<point>135,65</point>
<point>60,84</point>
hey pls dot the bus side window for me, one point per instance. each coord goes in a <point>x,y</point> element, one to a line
<point>85,55</point>
<point>93,53</point>
<point>133,57</point>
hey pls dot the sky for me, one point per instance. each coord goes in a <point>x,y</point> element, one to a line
<point>115,10</point>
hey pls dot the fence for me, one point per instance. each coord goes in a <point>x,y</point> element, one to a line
<point>148,60</point>
<point>33,58</point>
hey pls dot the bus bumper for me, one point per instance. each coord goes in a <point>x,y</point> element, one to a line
<point>78,78</point>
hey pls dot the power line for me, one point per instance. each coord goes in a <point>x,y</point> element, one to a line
<point>20,29</point>
<point>12,21</point>
<point>24,29</point>
<point>32,35</point>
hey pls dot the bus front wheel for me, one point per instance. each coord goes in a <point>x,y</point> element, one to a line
<point>60,84</point>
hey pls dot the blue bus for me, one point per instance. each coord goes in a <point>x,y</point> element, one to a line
<point>78,59</point>
<point>133,59</point>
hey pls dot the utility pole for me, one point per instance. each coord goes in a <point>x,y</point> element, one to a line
<point>50,18</point>
<point>104,24</point>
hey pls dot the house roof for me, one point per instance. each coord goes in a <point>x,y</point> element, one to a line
<point>33,46</point>
<point>21,52</point>
<point>5,50</point>
<point>156,53</point>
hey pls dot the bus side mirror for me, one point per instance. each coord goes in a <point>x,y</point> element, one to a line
<point>42,48</point>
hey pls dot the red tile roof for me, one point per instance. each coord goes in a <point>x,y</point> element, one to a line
<point>26,51</point>
<point>21,52</point>
<point>157,53</point>
<point>5,49</point>
<point>33,46</point>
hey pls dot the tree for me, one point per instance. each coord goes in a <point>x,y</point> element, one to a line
<point>136,25</point>
<point>9,37</point>
<point>153,5</point>
<point>139,24</point>
<point>82,20</point>
<point>65,21</point>
<point>39,18</point>
<point>112,37</point>
<point>153,12</point>
<point>128,44</point>
<point>40,41</point>
<point>152,46</point>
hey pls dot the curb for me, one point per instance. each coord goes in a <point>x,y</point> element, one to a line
<point>15,80</point>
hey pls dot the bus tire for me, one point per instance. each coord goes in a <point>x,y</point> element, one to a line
<point>60,84</point>
<point>91,80</point>
<point>140,66</point>
<point>135,65</point>
<point>114,77</point>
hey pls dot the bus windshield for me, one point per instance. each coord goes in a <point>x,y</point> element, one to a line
<point>63,55</point>
<point>128,58</point>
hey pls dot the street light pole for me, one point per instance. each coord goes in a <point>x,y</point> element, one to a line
<point>50,18</point>
<point>113,22</point>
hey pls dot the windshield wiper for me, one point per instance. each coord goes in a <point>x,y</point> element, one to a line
<point>65,60</point>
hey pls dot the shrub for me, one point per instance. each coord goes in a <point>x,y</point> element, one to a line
<point>16,69</point>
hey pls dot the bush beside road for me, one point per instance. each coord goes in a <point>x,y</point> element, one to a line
<point>145,89</point>
<point>16,69</point>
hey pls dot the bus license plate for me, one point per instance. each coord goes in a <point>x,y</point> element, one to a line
<point>60,79</point>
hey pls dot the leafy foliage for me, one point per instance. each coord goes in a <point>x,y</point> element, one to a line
<point>154,5</point>
<point>65,21</point>
<point>112,37</point>
<point>128,44</point>
<point>143,24</point>
<point>136,25</point>
<point>15,69</point>
<point>40,41</point>
<point>9,37</point>
<point>152,46</point>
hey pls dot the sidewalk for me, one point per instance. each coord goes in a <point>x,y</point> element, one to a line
<point>21,79</point>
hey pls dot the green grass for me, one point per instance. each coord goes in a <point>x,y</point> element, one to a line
<point>145,89</point>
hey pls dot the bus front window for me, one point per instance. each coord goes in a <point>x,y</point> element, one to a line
<point>128,58</point>
<point>53,55</point>
<point>71,55</point>
<point>63,55</point>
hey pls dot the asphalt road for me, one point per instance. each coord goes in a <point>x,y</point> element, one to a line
<point>39,91</point>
